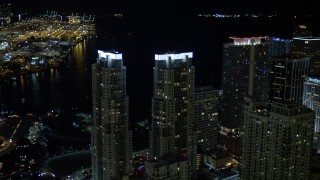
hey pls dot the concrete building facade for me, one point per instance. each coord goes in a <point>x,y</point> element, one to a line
<point>111,139</point>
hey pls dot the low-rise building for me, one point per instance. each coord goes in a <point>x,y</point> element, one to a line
<point>170,167</point>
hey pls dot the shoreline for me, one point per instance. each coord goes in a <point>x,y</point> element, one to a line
<point>39,50</point>
<point>14,75</point>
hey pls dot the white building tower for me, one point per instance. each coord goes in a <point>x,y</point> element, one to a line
<point>111,140</point>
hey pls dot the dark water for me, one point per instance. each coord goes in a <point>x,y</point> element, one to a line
<point>138,39</point>
<point>67,87</point>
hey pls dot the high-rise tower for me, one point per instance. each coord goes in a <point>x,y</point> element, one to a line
<point>279,47</point>
<point>287,76</point>
<point>245,73</point>
<point>308,47</point>
<point>206,111</point>
<point>172,128</point>
<point>311,98</point>
<point>277,141</point>
<point>111,139</point>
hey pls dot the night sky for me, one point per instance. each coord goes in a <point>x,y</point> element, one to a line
<point>173,7</point>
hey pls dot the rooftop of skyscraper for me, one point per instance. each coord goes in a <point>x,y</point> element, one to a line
<point>289,108</point>
<point>308,38</point>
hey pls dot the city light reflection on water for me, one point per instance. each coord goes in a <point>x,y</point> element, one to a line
<point>66,87</point>
<point>79,57</point>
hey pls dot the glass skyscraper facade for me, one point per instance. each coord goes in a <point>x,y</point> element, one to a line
<point>311,98</point>
<point>287,76</point>
<point>246,71</point>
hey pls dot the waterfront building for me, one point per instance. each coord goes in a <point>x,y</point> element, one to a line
<point>277,141</point>
<point>172,128</point>
<point>206,111</point>
<point>311,98</point>
<point>245,73</point>
<point>111,139</point>
<point>287,75</point>
<point>308,47</point>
